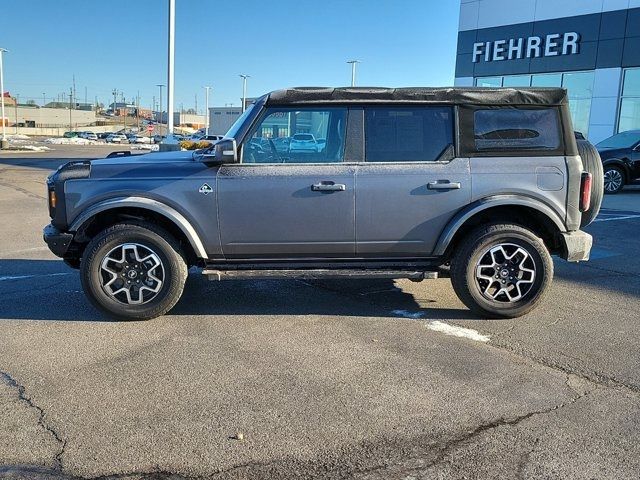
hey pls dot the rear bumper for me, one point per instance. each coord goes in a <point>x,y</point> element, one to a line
<point>57,241</point>
<point>576,246</point>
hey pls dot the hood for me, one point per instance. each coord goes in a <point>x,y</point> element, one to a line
<point>612,152</point>
<point>154,157</point>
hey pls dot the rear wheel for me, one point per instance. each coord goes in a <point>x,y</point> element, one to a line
<point>133,271</point>
<point>501,271</point>
<point>614,179</point>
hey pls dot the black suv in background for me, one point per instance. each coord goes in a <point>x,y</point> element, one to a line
<point>620,159</point>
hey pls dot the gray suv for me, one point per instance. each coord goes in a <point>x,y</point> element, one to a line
<point>484,185</point>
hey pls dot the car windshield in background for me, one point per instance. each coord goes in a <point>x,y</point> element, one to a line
<point>621,140</point>
<point>303,137</point>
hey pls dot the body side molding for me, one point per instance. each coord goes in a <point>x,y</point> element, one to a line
<point>494,201</point>
<point>149,204</point>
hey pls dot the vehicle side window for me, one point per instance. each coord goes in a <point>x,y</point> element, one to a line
<point>301,135</point>
<point>505,129</point>
<point>409,134</point>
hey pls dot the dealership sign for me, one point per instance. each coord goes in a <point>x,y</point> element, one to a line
<point>528,47</point>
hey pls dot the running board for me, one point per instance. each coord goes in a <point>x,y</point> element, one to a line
<point>311,274</point>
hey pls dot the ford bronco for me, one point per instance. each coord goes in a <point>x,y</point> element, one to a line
<point>482,185</point>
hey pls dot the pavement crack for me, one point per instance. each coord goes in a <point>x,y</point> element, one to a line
<point>442,450</point>
<point>13,383</point>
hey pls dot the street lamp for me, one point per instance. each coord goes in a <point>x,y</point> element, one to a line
<point>160,107</point>
<point>4,137</point>
<point>353,71</point>
<point>206,110</point>
<point>170,69</point>
<point>244,89</point>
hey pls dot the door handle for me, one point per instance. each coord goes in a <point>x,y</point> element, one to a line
<point>328,187</point>
<point>444,185</point>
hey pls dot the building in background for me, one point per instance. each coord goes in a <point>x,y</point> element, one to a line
<point>589,47</point>
<point>221,119</point>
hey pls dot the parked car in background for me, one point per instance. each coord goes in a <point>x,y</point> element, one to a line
<point>303,142</point>
<point>70,135</point>
<point>103,135</point>
<point>140,139</point>
<point>88,135</point>
<point>117,138</point>
<point>620,156</point>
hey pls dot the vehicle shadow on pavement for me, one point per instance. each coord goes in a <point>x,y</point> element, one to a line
<point>50,290</point>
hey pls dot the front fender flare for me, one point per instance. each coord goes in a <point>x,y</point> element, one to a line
<point>483,204</point>
<point>148,204</point>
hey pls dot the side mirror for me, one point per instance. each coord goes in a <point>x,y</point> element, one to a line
<point>226,151</point>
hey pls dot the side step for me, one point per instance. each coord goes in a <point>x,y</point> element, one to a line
<point>311,274</point>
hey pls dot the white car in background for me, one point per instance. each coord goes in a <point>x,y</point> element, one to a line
<point>88,135</point>
<point>304,143</point>
<point>141,139</point>
<point>117,138</point>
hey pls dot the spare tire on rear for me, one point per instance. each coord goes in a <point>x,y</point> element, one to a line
<point>592,163</point>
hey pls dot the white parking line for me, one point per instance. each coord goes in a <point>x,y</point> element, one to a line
<point>624,217</point>
<point>455,331</point>
<point>442,327</point>
<point>20,277</point>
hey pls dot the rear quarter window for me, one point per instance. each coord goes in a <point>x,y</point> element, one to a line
<point>515,129</point>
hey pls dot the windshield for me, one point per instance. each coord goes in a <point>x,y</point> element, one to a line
<point>233,131</point>
<point>621,140</point>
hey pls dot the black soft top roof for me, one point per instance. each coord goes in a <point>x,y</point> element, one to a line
<point>448,95</point>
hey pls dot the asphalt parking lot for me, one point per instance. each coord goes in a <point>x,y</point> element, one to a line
<point>334,379</point>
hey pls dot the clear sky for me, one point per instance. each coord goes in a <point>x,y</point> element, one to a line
<point>122,44</point>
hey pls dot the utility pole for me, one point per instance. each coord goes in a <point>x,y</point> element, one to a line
<point>196,103</point>
<point>114,92</point>
<point>353,71</point>
<point>85,96</point>
<point>16,111</point>
<point>44,99</point>
<point>3,140</point>
<point>138,110</point>
<point>244,89</point>
<point>160,120</point>
<point>74,90</point>
<point>70,102</point>
<point>206,110</point>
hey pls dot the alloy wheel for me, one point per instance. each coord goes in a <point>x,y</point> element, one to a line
<point>505,273</point>
<point>132,274</point>
<point>613,180</point>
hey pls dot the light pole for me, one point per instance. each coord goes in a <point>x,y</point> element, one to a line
<point>70,100</point>
<point>206,110</point>
<point>114,92</point>
<point>160,97</point>
<point>4,136</point>
<point>244,89</point>
<point>44,99</point>
<point>170,70</point>
<point>353,71</point>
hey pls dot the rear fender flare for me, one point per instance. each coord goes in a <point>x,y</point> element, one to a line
<point>483,204</point>
<point>147,204</point>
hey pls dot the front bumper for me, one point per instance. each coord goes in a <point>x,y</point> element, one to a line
<point>57,241</point>
<point>576,246</point>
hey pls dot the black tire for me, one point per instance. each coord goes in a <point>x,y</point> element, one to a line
<point>592,163</point>
<point>171,272</point>
<point>613,170</point>
<point>476,246</point>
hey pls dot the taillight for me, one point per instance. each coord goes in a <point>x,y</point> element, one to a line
<point>585,191</point>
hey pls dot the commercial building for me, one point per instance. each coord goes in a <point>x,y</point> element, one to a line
<point>589,47</point>
<point>221,119</point>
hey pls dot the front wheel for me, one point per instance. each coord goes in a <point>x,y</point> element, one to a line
<point>133,271</point>
<point>501,271</point>
<point>613,179</point>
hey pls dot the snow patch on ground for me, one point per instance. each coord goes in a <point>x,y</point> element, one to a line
<point>72,141</point>
<point>34,148</point>
<point>455,331</point>
<point>143,146</point>
<point>408,314</point>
